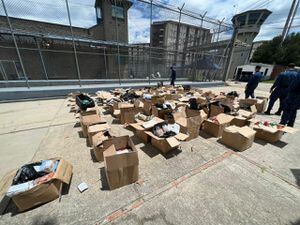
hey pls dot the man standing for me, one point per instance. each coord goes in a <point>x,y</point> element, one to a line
<point>173,74</point>
<point>292,101</point>
<point>253,82</point>
<point>280,89</point>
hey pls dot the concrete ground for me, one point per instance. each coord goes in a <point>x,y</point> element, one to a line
<point>204,182</point>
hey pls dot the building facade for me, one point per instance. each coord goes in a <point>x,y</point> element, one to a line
<point>47,52</point>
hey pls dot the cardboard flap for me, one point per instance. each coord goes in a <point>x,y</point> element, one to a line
<point>91,119</point>
<point>63,171</point>
<point>244,131</point>
<point>173,142</point>
<point>181,137</point>
<point>253,109</point>
<point>6,182</point>
<point>181,121</point>
<point>152,123</point>
<point>137,126</point>
<point>290,130</point>
<point>98,128</point>
<point>224,118</point>
<point>266,128</point>
<point>153,135</point>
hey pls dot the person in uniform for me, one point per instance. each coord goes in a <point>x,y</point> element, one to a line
<point>253,82</point>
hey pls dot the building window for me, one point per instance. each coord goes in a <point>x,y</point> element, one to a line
<point>117,12</point>
<point>98,12</point>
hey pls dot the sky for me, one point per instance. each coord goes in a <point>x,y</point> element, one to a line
<point>83,14</point>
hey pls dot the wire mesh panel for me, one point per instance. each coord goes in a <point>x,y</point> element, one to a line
<point>110,40</point>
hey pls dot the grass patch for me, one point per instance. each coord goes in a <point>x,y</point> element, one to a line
<point>268,81</point>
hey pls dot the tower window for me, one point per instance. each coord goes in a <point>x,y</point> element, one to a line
<point>98,12</point>
<point>117,12</point>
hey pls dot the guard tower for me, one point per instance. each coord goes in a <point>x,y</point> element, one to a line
<point>246,27</point>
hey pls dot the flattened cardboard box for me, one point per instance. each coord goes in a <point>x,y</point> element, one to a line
<point>42,193</point>
<point>216,129</point>
<point>121,169</point>
<point>88,120</point>
<point>239,138</point>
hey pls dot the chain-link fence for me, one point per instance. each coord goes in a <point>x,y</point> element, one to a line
<point>70,42</point>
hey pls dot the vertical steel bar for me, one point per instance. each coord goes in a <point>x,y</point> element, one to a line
<point>150,55</point>
<point>104,50</point>
<point>73,42</point>
<point>3,72</point>
<point>41,57</point>
<point>15,43</point>
<point>118,46</point>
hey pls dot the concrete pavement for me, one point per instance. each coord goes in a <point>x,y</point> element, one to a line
<point>203,182</point>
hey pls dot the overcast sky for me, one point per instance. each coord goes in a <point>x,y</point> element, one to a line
<point>83,14</point>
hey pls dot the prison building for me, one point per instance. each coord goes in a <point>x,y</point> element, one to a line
<point>47,52</point>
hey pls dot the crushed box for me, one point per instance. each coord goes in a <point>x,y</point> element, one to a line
<point>239,138</point>
<point>88,120</point>
<point>94,129</point>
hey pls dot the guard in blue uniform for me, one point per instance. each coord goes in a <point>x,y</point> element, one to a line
<point>280,88</point>
<point>292,101</point>
<point>253,82</point>
<point>173,74</point>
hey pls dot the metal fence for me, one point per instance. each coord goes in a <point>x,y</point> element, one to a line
<point>70,42</point>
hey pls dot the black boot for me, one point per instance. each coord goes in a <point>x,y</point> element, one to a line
<point>278,113</point>
<point>267,112</point>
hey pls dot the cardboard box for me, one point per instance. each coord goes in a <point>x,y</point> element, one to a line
<point>141,127</point>
<point>242,118</point>
<point>121,169</point>
<point>94,129</point>
<point>215,129</point>
<point>271,134</point>
<point>44,192</point>
<point>239,138</point>
<point>161,113</point>
<point>189,125</point>
<point>215,110</point>
<point>239,121</point>
<point>147,107</point>
<point>90,111</point>
<point>128,114</point>
<point>165,145</point>
<point>261,104</point>
<point>88,120</point>
<point>98,139</point>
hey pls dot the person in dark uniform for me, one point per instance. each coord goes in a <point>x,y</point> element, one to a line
<point>173,74</point>
<point>279,89</point>
<point>292,101</point>
<point>253,82</point>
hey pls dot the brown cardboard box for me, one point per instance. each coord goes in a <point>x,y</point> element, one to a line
<point>121,169</point>
<point>215,110</point>
<point>88,120</point>
<point>189,125</point>
<point>239,138</point>
<point>270,134</point>
<point>127,114</point>
<point>261,104</point>
<point>161,113</point>
<point>216,129</point>
<point>98,139</point>
<point>242,118</point>
<point>94,129</point>
<point>44,192</point>
<point>90,111</point>
<point>147,107</point>
<point>141,127</point>
<point>165,145</point>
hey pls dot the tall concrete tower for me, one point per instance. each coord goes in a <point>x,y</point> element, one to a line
<point>246,27</point>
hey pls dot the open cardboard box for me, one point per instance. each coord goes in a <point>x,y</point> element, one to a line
<point>239,138</point>
<point>121,168</point>
<point>161,113</point>
<point>141,127</point>
<point>271,134</point>
<point>261,104</point>
<point>189,125</point>
<point>88,120</point>
<point>165,145</point>
<point>98,139</point>
<point>147,106</point>
<point>216,129</point>
<point>90,111</point>
<point>243,116</point>
<point>41,193</point>
<point>127,114</point>
<point>94,129</point>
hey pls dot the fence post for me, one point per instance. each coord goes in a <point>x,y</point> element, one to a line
<point>73,42</point>
<point>178,33</point>
<point>229,57</point>
<point>41,57</point>
<point>118,47</point>
<point>150,59</point>
<point>219,29</point>
<point>104,51</point>
<point>15,43</point>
